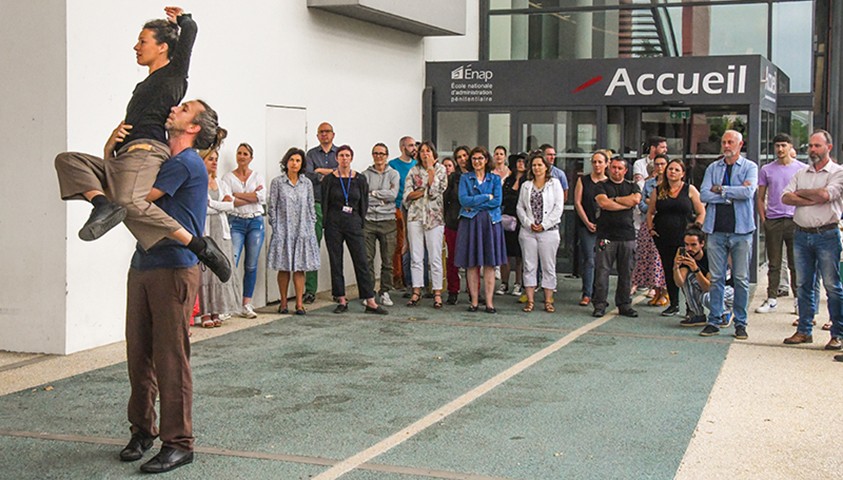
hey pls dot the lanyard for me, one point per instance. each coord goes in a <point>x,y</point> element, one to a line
<point>344,189</point>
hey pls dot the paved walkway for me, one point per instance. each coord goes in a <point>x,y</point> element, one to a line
<point>426,393</point>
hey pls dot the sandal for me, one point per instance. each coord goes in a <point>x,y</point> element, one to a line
<point>283,310</point>
<point>217,320</point>
<point>437,301</point>
<point>548,307</point>
<point>529,307</point>
<point>414,300</point>
<point>207,322</point>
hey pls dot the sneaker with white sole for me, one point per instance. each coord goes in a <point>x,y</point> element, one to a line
<point>248,311</point>
<point>517,290</point>
<point>385,300</point>
<point>502,289</point>
<point>768,306</point>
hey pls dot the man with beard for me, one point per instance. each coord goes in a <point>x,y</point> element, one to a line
<point>728,189</point>
<point>817,194</point>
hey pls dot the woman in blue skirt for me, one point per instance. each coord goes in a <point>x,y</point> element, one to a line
<point>480,239</point>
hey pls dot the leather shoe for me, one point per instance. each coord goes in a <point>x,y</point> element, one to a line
<point>137,446</point>
<point>834,344</point>
<point>167,459</point>
<point>214,259</point>
<point>798,338</point>
<point>101,220</point>
<point>628,312</point>
<point>376,310</point>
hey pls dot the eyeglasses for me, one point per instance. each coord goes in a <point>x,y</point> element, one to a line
<point>478,159</point>
<point>380,154</point>
<point>325,131</point>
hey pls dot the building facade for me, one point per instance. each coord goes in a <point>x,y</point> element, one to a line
<point>587,74</point>
<point>272,69</point>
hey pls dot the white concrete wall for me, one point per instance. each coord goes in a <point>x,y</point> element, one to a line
<point>366,80</point>
<point>32,221</point>
<point>457,48</point>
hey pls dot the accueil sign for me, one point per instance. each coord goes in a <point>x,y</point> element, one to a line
<point>733,81</point>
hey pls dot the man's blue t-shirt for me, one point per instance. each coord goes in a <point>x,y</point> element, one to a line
<point>559,174</point>
<point>184,180</point>
<point>403,169</point>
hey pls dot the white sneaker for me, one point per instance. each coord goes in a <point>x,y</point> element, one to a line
<point>768,306</point>
<point>517,290</point>
<point>385,300</point>
<point>248,311</point>
<point>502,289</point>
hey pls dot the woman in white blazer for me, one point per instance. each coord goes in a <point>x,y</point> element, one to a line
<point>540,205</point>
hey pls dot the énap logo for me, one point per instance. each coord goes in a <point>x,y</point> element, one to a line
<point>670,83</point>
<point>465,72</point>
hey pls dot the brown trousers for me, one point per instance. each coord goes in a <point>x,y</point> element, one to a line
<point>397,256</point>
<point>158,311</point>
<point>127,180</point>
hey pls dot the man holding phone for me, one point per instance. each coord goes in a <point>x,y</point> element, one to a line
<point>691,274</point>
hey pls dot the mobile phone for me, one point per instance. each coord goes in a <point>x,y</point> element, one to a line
<point>682,252</point>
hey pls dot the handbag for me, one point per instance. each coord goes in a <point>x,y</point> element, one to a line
<point>510,223</point>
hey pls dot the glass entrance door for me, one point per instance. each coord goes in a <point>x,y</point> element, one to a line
<point>692,134</point>
<point>573,133</point>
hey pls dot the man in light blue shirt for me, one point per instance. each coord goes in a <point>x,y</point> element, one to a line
<point>728,189</point>
<point>550,155</point>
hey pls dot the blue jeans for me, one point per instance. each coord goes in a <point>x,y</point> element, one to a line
<point>249,233</point>
<point>587,242</point>
<point>720,247</point>
<point>818,254</point>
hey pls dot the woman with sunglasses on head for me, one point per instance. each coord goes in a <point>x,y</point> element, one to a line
<point>246,221</point>
<point>511,189</point>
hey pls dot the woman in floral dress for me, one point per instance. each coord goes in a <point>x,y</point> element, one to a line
<point>292,216</point>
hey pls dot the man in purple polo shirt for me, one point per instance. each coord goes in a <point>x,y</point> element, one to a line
<point>776,217</point>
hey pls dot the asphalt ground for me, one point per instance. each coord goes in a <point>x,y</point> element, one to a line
<point>424,393</point>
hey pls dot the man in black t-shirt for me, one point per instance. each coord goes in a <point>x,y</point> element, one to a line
<point>691,274</point>
<point>616,198</point>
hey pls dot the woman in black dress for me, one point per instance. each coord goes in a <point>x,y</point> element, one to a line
<point>672,206</point>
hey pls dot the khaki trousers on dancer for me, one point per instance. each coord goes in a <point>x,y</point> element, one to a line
<point>158,311</point>
<point>127,180</point>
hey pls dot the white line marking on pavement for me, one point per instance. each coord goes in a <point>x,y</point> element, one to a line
<point>438,415</point>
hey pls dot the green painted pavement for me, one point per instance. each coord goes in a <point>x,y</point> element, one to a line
<point>619,402</point>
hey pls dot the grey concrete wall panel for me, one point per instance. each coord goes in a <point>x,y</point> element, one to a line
<point>724,80</point>
<point>428,19</point>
